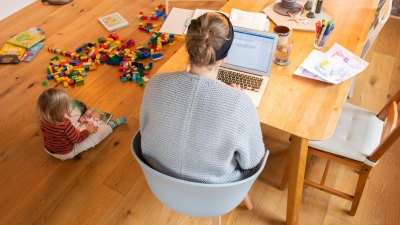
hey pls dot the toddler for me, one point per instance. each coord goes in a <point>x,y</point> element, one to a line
<point>61,139</point>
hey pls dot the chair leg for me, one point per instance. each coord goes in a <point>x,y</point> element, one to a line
<point>328,164</point>
<point>362,180</point>
<point>216,220</point>
<point>248,203</point>
<point>164,215</point>
<point>284,176</point>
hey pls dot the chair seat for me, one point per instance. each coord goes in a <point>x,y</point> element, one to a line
<point>356,135</point>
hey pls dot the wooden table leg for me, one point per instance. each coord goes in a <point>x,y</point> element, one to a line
<point>297,164</point>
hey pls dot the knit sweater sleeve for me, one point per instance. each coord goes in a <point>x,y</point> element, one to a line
<point>250,146</point>
<point>73,134</point>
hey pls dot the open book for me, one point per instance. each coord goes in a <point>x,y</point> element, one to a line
<point>81,116</point>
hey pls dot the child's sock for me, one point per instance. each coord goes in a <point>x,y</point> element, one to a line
<point>114,123</point>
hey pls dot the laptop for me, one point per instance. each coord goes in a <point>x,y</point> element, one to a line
<point>249,61</point>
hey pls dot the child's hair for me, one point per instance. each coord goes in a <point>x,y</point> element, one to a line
<point>52,105</point>
<point>205,36</point>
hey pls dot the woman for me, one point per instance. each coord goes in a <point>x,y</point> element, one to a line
<point>193,126</point>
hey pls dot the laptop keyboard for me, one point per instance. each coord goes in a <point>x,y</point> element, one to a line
<point>246,82</point>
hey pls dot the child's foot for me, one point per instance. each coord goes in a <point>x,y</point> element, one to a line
<point>114,123</point>
<point>77,157</point>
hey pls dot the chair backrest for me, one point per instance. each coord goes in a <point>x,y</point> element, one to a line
<point>391,132</point>
<point>382,15</point>
<point>191,198</point>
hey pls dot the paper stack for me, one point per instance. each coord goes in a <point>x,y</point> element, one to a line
<point>335,66</point>
<point>251,20</point>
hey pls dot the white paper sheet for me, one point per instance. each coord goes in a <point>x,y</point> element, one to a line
<point>251,20</point>
<point>198,12</point>
<point>175,22</point>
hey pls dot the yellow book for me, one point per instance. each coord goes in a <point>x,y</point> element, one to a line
<point>25,39</point>
<point>9,49</point>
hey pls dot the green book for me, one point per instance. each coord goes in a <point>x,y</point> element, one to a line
<point>26,39</point>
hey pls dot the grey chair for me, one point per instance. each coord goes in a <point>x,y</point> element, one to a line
<point>191,198</point>
<point>382,15</point>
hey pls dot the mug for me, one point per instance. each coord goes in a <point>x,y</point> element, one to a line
<point>283,32</point>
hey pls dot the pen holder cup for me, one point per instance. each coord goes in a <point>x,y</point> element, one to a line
<point>320,43</point>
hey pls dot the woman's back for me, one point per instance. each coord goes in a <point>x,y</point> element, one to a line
<point>199,129</point>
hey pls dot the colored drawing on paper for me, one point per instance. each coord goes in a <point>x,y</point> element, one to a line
<point>353,62</point>
<point>113,20</point>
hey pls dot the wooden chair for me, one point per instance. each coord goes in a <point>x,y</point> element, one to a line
<point>360,139</point>
<point>167,7</point>
<point>192,198</point>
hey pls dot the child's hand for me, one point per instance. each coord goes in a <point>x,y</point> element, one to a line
<point>91,128</point>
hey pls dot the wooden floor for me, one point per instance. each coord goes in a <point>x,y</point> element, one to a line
<point>107,186</point>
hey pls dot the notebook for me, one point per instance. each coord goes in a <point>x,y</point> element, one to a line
<point>251,56</point>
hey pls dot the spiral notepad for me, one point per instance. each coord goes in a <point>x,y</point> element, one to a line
<point>113,22</point>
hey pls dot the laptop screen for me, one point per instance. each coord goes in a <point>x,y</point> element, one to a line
<point>252,50</point>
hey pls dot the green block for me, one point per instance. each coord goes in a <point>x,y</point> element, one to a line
<point>86,68</point>
<point>84,45</point>
<point>80,82</point>
<point>44,83</point>
<point>140,83</point>
<point>54,58</point>
<point>101,40</point>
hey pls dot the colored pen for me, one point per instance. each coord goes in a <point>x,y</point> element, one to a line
<point>317,27</point>
<point>326,37</point>
<point>327,29</point>
<point>321,35</point>
<point>320,30</point>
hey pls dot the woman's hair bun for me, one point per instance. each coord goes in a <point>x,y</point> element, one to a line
<point>205,36</point>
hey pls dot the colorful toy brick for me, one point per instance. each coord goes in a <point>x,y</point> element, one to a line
<point>156,56</point>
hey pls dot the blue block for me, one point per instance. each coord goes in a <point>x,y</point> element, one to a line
<point>157,56</point>
<point>123,79</point>
<point>49,76</point>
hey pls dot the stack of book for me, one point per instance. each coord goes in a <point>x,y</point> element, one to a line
<point>23,46</point>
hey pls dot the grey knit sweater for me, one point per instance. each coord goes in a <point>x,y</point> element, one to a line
<point>199,129</point>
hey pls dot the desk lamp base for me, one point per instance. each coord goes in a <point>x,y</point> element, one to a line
<point>57,2</point>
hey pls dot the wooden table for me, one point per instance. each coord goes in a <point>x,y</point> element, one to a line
<point>305,108</point>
